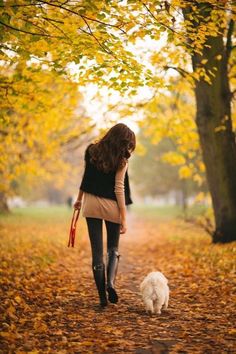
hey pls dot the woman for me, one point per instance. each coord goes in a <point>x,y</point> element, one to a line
<point>105,192</point>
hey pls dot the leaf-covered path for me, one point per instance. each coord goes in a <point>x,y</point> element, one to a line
<point>49,302</point>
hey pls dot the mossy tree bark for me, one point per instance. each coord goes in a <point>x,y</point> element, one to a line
<point>216,134</point>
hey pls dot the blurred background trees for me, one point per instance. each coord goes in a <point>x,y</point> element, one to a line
<point>169,61</point>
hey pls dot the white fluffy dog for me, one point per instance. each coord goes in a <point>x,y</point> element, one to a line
<point>155,292</point>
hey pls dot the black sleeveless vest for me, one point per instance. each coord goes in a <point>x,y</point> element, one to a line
<point>100,183</point>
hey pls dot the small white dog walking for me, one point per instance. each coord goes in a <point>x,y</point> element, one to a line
<point>155,292</point>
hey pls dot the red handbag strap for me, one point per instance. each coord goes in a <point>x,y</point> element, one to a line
<point>74,220</point>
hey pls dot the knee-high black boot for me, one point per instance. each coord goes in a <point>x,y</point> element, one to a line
<point>99,277</point>
<point>112,267</point>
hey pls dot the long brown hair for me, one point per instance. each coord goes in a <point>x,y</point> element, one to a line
<point>113,150</point>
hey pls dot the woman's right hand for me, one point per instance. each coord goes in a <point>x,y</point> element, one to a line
<point>123,226</point>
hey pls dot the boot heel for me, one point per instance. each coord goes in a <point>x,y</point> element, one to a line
<point>99,277</point>
<point>112,295</point>
<point>112,267</point>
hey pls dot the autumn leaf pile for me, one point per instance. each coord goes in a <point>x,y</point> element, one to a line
<point>49,303</point>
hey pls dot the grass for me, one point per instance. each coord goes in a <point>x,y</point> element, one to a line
<point>167,212</point>
<point>62,214</point>
<point>41,214</point>
<point>37,235</point>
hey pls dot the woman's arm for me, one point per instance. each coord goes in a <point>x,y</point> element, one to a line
<point>78,202</point>
<point>120,195</point>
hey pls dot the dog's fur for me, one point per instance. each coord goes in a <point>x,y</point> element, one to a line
<point>155,292</point>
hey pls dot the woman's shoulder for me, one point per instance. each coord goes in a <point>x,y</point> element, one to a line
<point>88,151</point>
<point>89,147</point>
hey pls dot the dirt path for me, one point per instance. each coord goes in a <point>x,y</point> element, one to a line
<point>54,309</point>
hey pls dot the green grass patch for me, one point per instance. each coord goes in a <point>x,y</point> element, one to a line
<point>57,213</point>
<point>167,212</point>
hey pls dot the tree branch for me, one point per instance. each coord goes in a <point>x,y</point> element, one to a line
<point>101,45</point>
<point>82,16</point>
<point>52,19</point>
<point>33,24</point>
<point>156,19</point>
<point>164,25</point>
<point>19,5</point>
<point>58,28</point>
<point>4,46</point>
<point>233,93</point>
<point>28,32</point>
<point>181,71</point>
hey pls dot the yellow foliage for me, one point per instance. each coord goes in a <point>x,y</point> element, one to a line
<point>200,197</point>
<point>35,124</point>
<point>39,106</point>
<point>185,172</point>
<point>173,158</point>
<point>140,149</point>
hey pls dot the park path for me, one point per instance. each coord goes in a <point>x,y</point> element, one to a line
<point>188,326</point>
<point>54,309</point>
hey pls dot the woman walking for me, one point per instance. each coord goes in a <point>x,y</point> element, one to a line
<point>103,195</point>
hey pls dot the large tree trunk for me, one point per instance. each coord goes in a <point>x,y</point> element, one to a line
<point>3,204</point>
<point>216,135</point>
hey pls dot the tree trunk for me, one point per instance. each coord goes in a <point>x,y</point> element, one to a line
<point>217,139</point>
<point>3,204</point>
<point>184,200</point>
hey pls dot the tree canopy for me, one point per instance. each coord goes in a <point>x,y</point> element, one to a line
<point>103,42</point>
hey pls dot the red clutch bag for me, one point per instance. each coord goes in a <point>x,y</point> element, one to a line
<point>74,220</point>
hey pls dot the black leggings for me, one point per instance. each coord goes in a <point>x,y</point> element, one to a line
<point>96,238</point>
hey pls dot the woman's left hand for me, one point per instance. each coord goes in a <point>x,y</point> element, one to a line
<point>77,205</point>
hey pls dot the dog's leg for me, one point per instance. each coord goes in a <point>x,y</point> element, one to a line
<point>166,300</point>
<point>157,307</point>
<point>155,303</point>
<point>149,306</point>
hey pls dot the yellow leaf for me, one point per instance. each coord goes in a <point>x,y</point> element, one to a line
<point>40,326</point>
<point>220,128</point>
<point>11,310</point>
<point>232,331</point>
<point>18,299</point>
<point>5,334</point>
